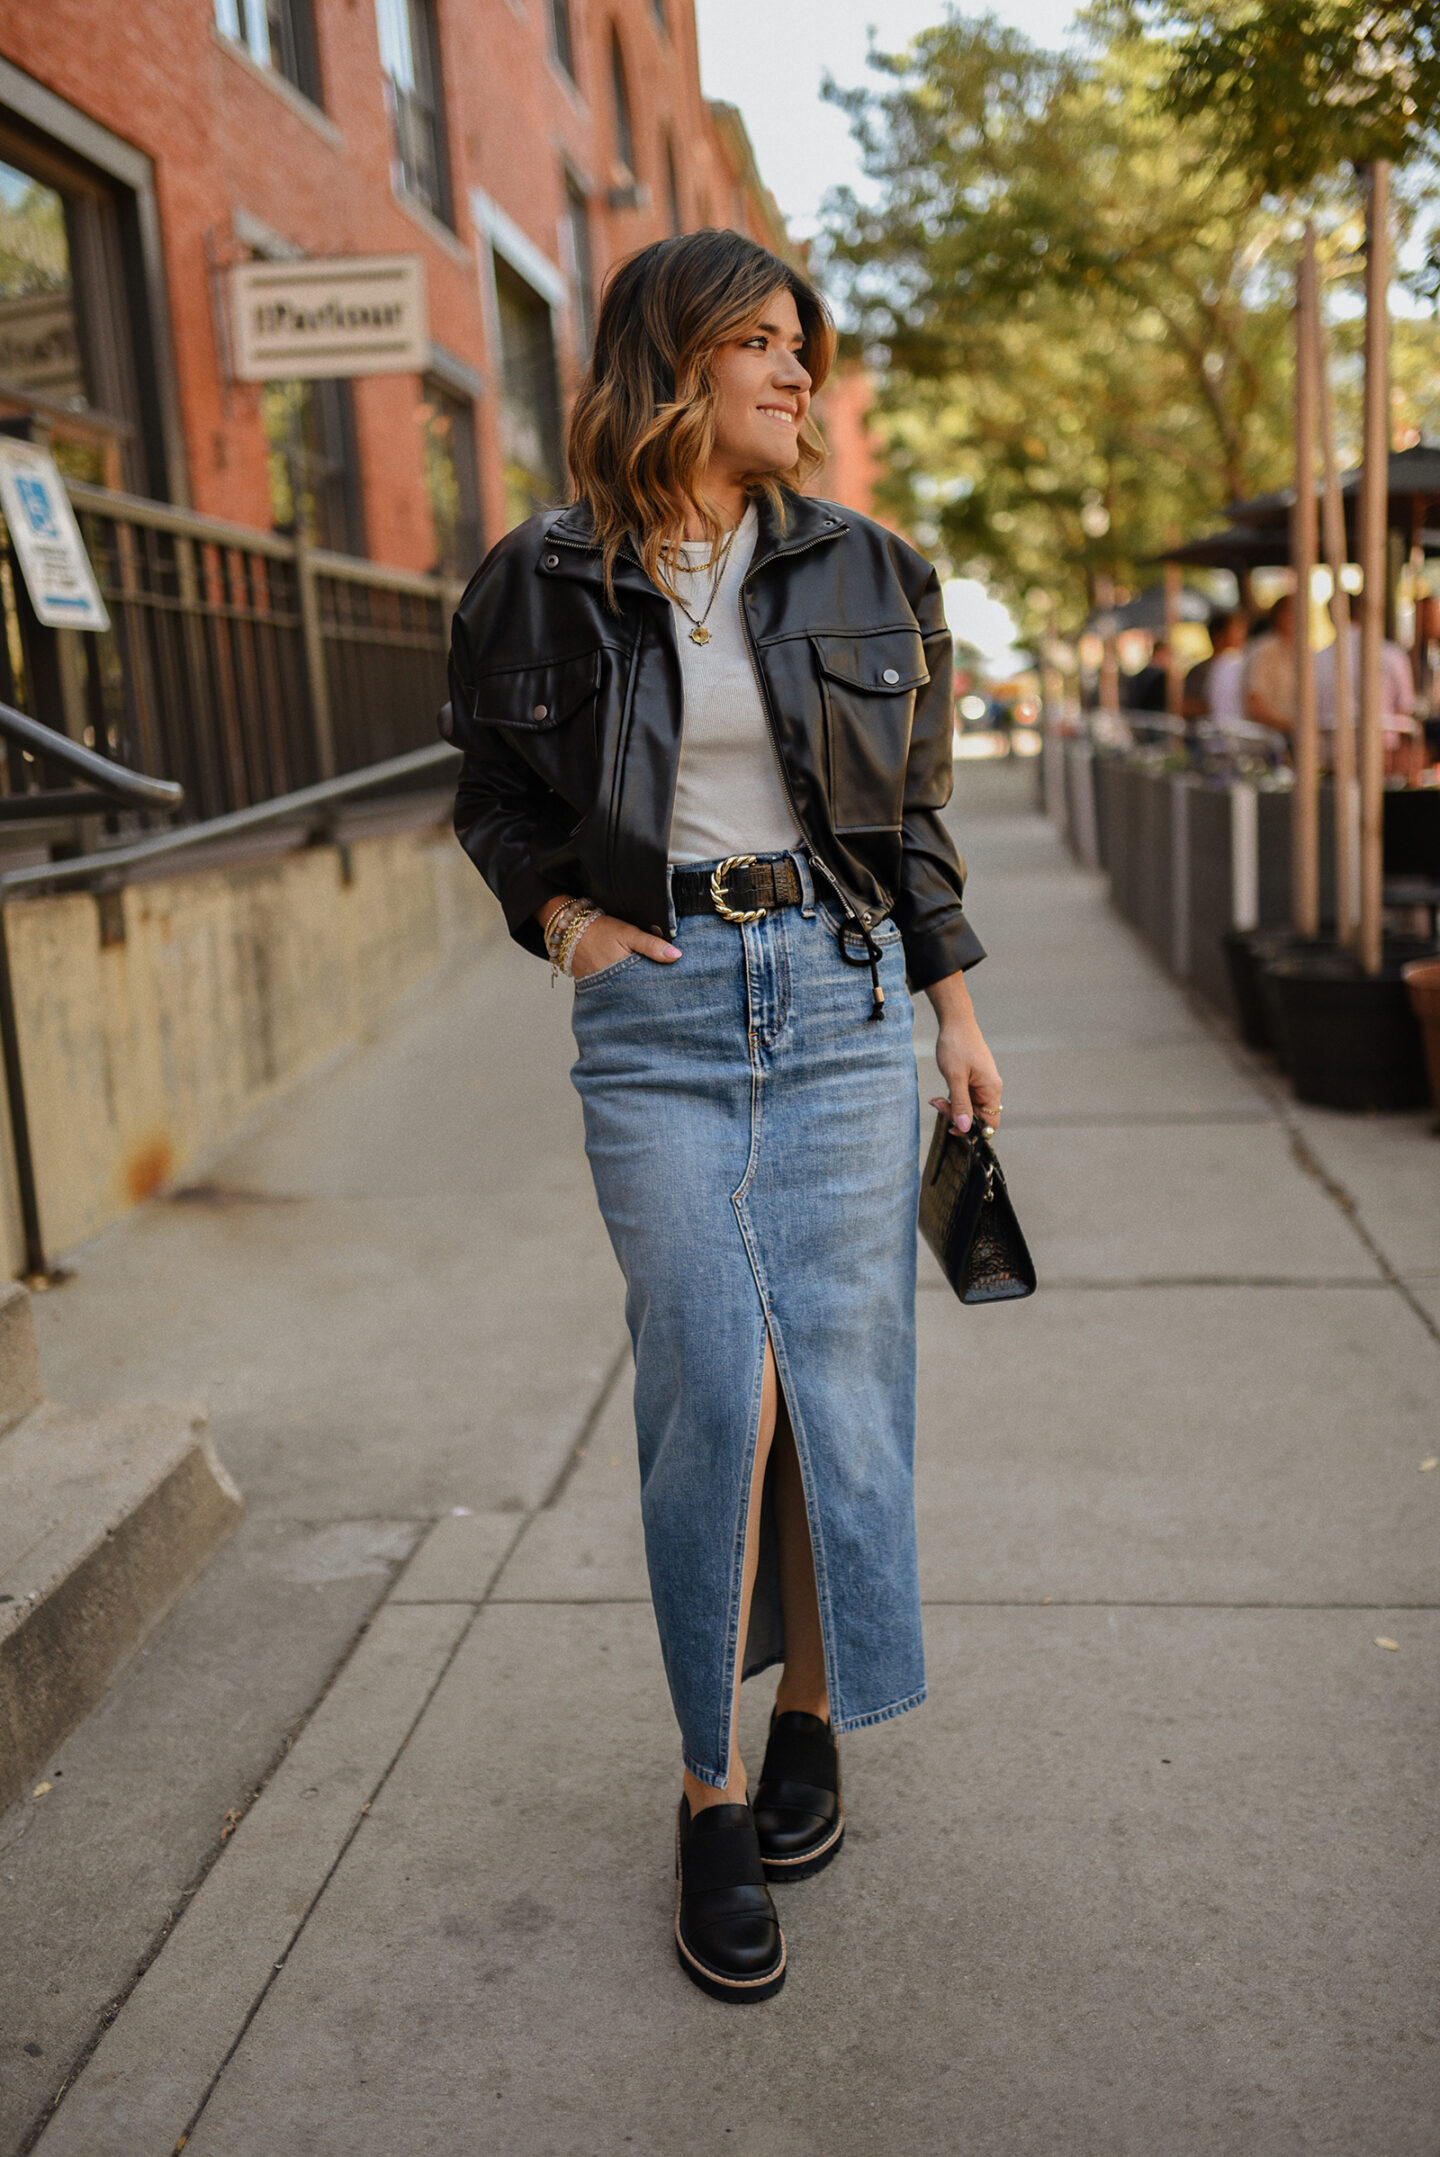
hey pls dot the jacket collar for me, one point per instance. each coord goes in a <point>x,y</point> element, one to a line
<point>806,522</point>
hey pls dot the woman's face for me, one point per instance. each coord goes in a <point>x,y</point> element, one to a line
<point>762,392</point>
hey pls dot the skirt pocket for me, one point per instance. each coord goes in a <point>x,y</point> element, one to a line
<point>608,973</point>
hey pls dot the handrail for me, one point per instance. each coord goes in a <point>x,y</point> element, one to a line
<point>115,780</point>
<point>102,867</point>
<point>184,523</point>
<point>81,867</point>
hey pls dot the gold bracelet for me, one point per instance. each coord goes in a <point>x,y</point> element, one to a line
<point>559,922</point>
<point>576,929</point>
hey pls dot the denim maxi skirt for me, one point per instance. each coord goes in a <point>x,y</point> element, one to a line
<point>754,1139</point>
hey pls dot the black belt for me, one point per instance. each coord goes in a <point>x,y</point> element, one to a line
<point>738,887</point>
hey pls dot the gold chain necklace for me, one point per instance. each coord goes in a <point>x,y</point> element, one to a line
<point>699,634</point>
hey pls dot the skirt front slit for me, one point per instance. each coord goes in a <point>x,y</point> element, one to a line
<point>754,1142</point>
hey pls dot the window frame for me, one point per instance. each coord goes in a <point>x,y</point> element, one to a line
<point>113,247</point>
<point>391,16</point>
<point>622,112</point>
<point>579,242</point>
<point>247,24</point>
<point>562,38</point>
<point>673,204</point>
<point>470,523</point>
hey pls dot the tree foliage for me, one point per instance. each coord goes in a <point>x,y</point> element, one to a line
<point>1299,87</point>
<point>1078,306</point>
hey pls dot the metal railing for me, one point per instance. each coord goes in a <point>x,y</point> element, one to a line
<point>247,663</point>
<point>109,783</point>
<point>105,869</point>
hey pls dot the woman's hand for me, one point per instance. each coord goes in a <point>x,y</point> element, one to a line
<point>606,940</point>
<point>973,1083</point>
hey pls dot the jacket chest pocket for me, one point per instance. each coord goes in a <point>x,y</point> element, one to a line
<point>551,715</point>
<point>867,686</point>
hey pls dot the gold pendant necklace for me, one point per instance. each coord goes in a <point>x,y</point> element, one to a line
<point>699,634</point>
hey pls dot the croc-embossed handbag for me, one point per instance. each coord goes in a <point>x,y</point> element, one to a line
<point>968,1221</point>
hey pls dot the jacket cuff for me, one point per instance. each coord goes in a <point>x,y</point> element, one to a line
<point>521,895</point>
<point>939,949</point>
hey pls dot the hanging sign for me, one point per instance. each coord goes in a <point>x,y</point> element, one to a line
<point>349,315</point>
<point>46,539</point>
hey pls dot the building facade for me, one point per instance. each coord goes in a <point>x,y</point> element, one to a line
<point>517,147</point>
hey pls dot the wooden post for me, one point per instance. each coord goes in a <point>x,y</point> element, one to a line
<point>1374,518</point>
<point>1110,657</point>
<point>1174,669</point>
<point>1343,748</point>
<point>1305,811</point>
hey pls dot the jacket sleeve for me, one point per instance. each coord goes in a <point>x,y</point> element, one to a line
<point>930,905</point>
<point>506,818</point>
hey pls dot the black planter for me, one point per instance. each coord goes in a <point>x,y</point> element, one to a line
<point>1248,955</point>
<point>1351,1039</point>
<point>1243,961</point>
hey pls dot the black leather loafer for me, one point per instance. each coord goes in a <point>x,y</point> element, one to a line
<point>727,1935</point>
<point>799,1819</point>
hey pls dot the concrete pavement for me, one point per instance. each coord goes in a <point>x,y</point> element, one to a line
<point>1153,1871</point>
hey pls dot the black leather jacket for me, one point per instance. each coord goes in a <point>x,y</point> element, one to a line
<point>569,713</point>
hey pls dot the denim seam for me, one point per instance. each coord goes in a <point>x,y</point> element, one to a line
<point>730,1690</point>
<point>817,1540</point>
<point>843,1723</point>
<point>603,973</point>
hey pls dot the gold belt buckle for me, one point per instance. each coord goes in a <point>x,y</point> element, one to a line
<point>718,893</point>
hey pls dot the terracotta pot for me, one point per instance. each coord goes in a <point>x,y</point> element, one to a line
<point>1422,983</point>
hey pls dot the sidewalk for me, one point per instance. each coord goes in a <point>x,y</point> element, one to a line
<point>1149,1874</point>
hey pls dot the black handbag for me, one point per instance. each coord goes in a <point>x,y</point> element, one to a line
<point>968,1221</point>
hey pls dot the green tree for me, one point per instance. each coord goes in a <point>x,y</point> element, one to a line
<point>1078,307</point>
<point>1300,87</point>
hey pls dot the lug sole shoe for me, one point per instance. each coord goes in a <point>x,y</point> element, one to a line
<point>799,1818</point>
<point>727,1935</point>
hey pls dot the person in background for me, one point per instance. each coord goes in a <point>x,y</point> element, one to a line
<point>1145,691</point>
<point>1404,741</point>
<point>1427,672</point>
<point>1269,673</point>
<point>1214,688</point>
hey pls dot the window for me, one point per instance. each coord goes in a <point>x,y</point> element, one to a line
<point>278,34</point>
<point>624,131</point>
<point>560,39</point>
<point>68,310</point>
<point>451,479</point>
<point>310,427</point>
<point>582,267</point>
<point>410,54</point>
<point>672,188</point>
<point>39,332</point>
<point>529,396</point>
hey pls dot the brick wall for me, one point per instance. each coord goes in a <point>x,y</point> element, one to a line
<point>235,150</point>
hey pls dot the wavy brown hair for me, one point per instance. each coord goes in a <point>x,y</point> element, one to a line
<point>643,427</point>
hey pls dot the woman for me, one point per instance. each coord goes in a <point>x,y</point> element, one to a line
<point>706,723</point>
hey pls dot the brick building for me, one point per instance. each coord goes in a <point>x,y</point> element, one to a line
<point>519,147</point>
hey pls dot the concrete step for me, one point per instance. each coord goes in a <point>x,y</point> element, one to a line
<point>105,1520</point>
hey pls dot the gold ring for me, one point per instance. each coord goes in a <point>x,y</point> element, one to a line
<point>718,893</point>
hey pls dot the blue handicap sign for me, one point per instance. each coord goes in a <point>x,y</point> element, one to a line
<point>39,510</point>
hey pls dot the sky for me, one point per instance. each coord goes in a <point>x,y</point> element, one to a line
<point>770,56</point>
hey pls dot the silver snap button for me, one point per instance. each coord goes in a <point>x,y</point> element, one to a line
<point>890,675</point>
<point>552,561</point>
<point>541,711</point>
